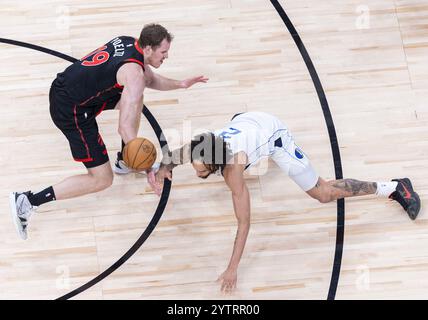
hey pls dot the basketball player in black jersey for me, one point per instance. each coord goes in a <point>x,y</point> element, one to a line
<point>113,76</point>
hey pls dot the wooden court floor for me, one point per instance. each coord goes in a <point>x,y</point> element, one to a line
<point>371,58</point>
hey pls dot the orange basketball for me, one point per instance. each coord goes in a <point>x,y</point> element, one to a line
<point>139,154</point>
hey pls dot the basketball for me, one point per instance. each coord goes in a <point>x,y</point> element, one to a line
<point>139,154</point>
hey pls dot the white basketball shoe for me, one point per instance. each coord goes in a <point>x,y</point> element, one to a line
<point>21,211</point>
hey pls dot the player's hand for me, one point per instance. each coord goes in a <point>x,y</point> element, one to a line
<point>228,280</point>
<point>156,179</point>
<point>191,81</point>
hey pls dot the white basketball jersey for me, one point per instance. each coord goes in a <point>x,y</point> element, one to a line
<point>255,134</point>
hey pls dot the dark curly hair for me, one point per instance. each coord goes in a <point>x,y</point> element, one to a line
<point>153,34</point>
<point>211,150</point>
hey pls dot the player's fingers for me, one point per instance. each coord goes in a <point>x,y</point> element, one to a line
<point>169,175</point>
<point>232,287</point>
<point>151,177</point>
<point>159,179</point>
<point>152,181</point>
<point>227,287</point>
<point>157,186</point>
<point>158,189</point>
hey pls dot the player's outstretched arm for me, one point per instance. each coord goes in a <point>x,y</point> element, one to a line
<point>169,162</point>
<point>158,82</point>
<point>234,177</point>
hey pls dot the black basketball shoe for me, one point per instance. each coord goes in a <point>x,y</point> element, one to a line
<point>407,197</point>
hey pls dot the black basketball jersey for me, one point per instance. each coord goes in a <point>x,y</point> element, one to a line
<point>91,81</point>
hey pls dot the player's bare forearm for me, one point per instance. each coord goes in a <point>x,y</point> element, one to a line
<point>131,101</point>
<point>239,245</point>
<point>129,122</point>
<point>162,83</point>
<point>177,157</point>
<point>169,161</point>
<point>241,204</point>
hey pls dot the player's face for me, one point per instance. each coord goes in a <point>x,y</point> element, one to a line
<point>160,54</point>
<point>201,170</point>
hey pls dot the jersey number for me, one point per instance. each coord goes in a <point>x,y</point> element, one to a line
<point>229,133</point>
<point>99,57</point>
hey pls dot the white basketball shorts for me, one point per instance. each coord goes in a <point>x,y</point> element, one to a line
<point>294,162</point>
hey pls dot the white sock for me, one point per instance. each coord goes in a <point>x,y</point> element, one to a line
<point>384,189</point>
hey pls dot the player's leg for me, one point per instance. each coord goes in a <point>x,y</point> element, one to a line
<point>97,179</point>
<point>400,190</point>
<point>327,191</point>
<point>86,146</point>
<point>81,130</point>
<point>297,165</point>
<point>24,204</point>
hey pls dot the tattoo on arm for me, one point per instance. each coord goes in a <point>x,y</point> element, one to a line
<point>177,157</point>
<point>355,187</point>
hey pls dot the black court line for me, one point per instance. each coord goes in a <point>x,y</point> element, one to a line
<point>38,48</point>
<point>340,232</point>
<point>163,199</point>
<point>156,217</point>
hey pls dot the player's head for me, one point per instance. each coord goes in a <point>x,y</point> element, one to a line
<point>155,41</point>
<point>209,154</point>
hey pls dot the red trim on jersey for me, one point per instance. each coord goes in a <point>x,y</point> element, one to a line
<point>102,109</point>
<point>101,143</point>
<point>137,46</point>
<point>84,160</point>
<point>116,86</point>
<point>82,137</point>
<point>136,61</point>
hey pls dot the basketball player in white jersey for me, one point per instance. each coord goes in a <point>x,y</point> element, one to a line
<point>242,143</point>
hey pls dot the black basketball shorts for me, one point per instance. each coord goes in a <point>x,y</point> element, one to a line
<point>79,126</point>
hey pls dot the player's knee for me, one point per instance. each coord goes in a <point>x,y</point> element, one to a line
<point>107,182</point>
<point>103,182</point>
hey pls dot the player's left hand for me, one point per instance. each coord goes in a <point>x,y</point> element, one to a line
<point>228,280</point>
<point>151,179</point>
<point>191,81</point>
<point>155,180</point>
